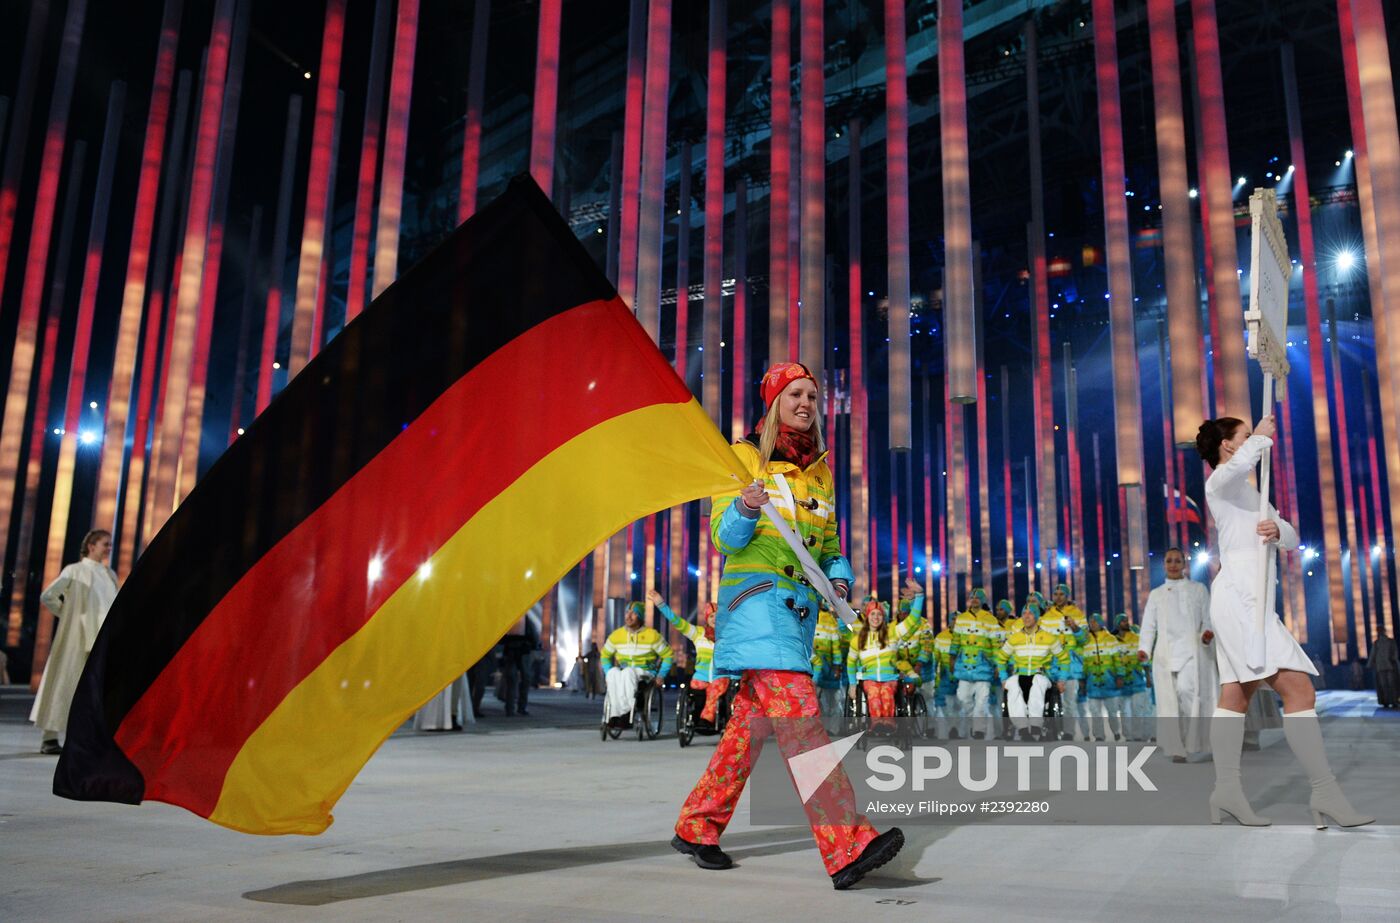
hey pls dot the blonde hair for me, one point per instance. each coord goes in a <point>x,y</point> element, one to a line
<point>91,539</point>
<point>768,439</point>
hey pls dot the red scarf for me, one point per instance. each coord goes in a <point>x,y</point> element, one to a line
<point>793,445</point>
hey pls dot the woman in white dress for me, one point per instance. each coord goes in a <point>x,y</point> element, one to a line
<point>1244,657</point>
<point>80,598</point>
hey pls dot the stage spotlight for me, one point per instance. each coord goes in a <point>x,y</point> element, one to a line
<point>1348,155</point>
<point>87,437</point>
<point>1240,182</point>
<point>1375,551</point>
<point>1345,260</point>
<point>936,567</point>
<point>1064,562</point>
<point>634,575</point>
<point>1203,557</point>
<point>1194,193</point>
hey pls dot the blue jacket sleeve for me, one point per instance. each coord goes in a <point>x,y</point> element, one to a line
<point>732,531</point>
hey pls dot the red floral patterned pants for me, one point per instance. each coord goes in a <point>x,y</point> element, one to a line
<point>879,698</point>
<point>840,831</point>
<point>714,691</point>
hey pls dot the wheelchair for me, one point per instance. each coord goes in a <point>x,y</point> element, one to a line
<point>691,702</point>
<point>908,704</point>
<point>647,713</point>
<point>1050,729</point>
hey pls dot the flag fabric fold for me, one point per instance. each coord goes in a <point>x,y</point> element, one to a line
<point>484,424</point>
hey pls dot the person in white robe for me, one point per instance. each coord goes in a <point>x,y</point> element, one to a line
<point>1247,654</point>
<point>79,598</point>
<point>1176,637</point>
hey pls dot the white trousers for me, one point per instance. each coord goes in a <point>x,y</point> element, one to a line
<point>1026,711</point>
<point>622,692</point>
<point>1178,724</point>
<point>831,701</point>
<point>973,702</point>
<point>1100,708</point>
<point>1074,721</point>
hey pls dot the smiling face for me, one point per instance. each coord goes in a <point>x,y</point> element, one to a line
<point>1176,564</point>
<point>797,405</point>
<point>633,619</point>
<point>1028,619</point>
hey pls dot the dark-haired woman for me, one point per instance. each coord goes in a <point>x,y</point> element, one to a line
<point>1243,657</point>
<point>764,633</point>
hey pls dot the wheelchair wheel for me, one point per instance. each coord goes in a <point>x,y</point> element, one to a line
<point>603,731</point>
<point>918,712</point>
<point>649,715</point>
<point>685,727</point>
<point>614,731</point>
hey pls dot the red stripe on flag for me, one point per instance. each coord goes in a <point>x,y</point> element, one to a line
<point>313,590</point>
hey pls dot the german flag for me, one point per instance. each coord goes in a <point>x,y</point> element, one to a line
<point>493,416</point>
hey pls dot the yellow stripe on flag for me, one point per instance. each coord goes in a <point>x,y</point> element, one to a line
<point>444,618</point>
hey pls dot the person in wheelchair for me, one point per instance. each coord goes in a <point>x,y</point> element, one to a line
<point>703,679</point>
<point>829,647</point>
<point>1024,660</point>
<point>632,655</point>
<point>877,659</point>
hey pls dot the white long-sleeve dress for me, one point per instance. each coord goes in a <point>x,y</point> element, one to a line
<point>1234,504</point>
<point>80,597</point>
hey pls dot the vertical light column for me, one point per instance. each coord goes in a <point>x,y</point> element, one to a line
<point>12,171</point>
<point>958,322</point>
<point>779,168</point>
<point>1217,191</point>
<point>197,383</point>
<point>1293,562</point>
<point>36,264</point>
<point>855,305</point>
<point>546,95</point>
<point>739,339</point>
<point>1382,147</point>
<point>984,437</point>
<point>252,279</point>
<point>927,479</point>
<point>134,493</point>
<point>318,190</point>
<point>1042,390</point>
<point>1178,253</point>
<point>1332,526</point>
<point>1169,478</point>
<point>682,354</point>
<point>471,135</point>
<point>180,356</point>
<point>813,225</point>
<point>276,270</point>
<point>1373,488</point>
<point>39,432</point>
<point>653,168</point>
<point>632,152</point>
<point>117,407</point>
<point>363,223</point>
<point>897,223</point>
<point>1352,533</point>
<point>1008,498</point>
<point>82,340</point>
<point>1127,398</point>
<point>1381,306</point>
<point>713,306</point>
<point>1033,565</point>
<point>1102,539</point>
<point>386,244</point>
<point>1074,472</point>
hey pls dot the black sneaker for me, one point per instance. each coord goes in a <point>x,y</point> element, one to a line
<point>954,734</point>
<point>877,852</point>
<point>51,748</point>
<point>705,856</point>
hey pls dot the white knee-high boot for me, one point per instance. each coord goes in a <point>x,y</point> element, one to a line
<point>1304,736</point>
<point>1226,741</point>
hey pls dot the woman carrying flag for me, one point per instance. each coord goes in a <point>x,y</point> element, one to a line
<point>764,633</point>
<point>1248,652</point>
